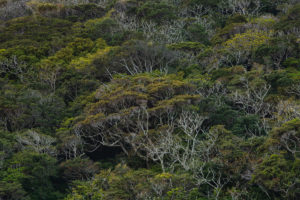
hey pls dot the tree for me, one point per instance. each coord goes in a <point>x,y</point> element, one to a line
<point>35,172</point>
<point>295,89</point>
<point>286,137</point>
<point>38,142</point>
<point>286,111</point>
<point>112,119</point>
<point>156,11</point>
<point>252,100</point>
<point>71,146</point>
<point>140,57</point>
<point>278,174</point>
<point>78,169</point>
<point>15,68</point>
<point>12,9</point>
<point>239,48</point>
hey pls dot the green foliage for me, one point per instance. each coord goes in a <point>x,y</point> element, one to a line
<point>19,39</point>
<point>11,188</point>
<point>249,124</point>
<point>247,41</point>
<point>125,183</point>
<point>23,107</point>
<point>83,12</point>
<point>197,33</point>
<point>157,11</point>
<point>224,115</point>
<point>292,62</point>
<point>285,137</point>
<point>105,27</point>
<point>78,169</point>
<point>273,54</point>
<point>34,172</point>
<point>272,6</point>
<point>265,21</point>
<point>196,99</point>
<point>187,46</point>
<point>291,20</point>
<point>212,4</point>
<point>279,79</point>
<point>275,173</point>
<point>236,19</point>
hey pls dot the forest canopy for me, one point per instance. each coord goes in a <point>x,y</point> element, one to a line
<point>149,99</point>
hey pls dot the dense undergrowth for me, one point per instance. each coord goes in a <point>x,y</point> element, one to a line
<point>149,99</point>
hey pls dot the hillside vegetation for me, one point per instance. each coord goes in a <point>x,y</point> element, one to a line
<point>149,99</point>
